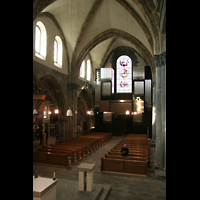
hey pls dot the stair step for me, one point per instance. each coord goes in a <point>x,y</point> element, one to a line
<point>105,193</point>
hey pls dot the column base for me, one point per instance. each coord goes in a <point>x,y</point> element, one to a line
<point>159,171</point>
<point>152,143</point>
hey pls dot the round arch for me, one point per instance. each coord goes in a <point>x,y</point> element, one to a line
<point>108,34</point>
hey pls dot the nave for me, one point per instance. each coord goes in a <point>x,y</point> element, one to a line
<point>122,186</point>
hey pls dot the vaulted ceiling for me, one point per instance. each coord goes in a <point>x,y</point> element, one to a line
<point>97,27</point>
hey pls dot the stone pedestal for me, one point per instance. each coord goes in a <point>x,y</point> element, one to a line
<point>86,176</point>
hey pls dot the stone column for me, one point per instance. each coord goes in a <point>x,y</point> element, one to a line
<point>159,145</point>
<point>74,106</point>
<point>160,91</point>
<point>163,106</point>
<point>153,140</point>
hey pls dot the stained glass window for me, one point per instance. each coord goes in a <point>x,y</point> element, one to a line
<point>45,112</point>
<point>124,74</point>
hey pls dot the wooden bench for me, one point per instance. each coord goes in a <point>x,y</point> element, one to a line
<point>131,149</point>
<point>69,150</point>
<point>135,163</point>
<point>135,142</point>
<point>125,157</point>
<point>51,158</point>
<point>90,144</point>
<point>72,147</point>
<point>135,167</point>
<point>70,153</point>
<point>130,154</point>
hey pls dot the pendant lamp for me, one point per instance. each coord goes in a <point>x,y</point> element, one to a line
<point>35,112</point>
<point>91,112</point>
<point>69,112</point>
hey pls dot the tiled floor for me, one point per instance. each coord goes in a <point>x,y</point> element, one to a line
<point>122,186</point>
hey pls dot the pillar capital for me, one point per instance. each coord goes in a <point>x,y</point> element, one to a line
<point>157,59</point>
<point>160,59</point>
<point>163,58</point>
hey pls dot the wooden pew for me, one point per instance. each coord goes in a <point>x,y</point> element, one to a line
<point>131,149</point>
<point>60,153</point>
<point>125,157</point>
<point>40,157</point>
<point>135,163</point>
<point>75,151</point>
<point>51,158</point>
<point>70,153</point>
<point>135,167</point>
<point>113,152</point>
<point>72,147</point>
<point>130,154</point>
<point>90,144</point>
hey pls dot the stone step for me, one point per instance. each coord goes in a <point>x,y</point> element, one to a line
<point>105,192</point>
<point>68,189</point>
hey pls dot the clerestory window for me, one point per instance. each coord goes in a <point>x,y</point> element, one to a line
<point>40,40</point>
<point>88,70</point>
<point>58,52</point>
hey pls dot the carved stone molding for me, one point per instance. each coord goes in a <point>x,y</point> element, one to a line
<point>160,59</point>
<point>157,59</point>
<point>86,87</point>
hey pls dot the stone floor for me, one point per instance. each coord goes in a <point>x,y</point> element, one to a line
<point>122,186</point>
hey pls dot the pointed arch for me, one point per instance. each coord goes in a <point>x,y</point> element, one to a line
<point>108,34</point>
<point>50,85</point>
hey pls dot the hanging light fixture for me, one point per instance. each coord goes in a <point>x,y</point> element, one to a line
<point>69,112</point>
<point>35,112</point>
<point>91,112</point>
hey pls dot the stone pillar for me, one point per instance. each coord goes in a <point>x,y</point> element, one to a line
<point>160,103</point>
<point>163,105</point>
<point>159,145</point>
<point>153,140</point>
<point>61,127</point>
<point>74,106</point>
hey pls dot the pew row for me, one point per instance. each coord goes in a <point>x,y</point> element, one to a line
<point>134,167</point>
<point>135,163</point>
<point>69,151</point>
<point>51,158</point>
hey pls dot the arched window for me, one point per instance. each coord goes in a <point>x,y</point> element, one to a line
<point>124,74</point>
<point>58,52</point>
<point>88,70</point>
<point>37,38</point>
<point>82,70</point>
<point>40,40</point>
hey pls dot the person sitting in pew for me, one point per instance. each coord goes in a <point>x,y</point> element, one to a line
<point>124,150</point>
